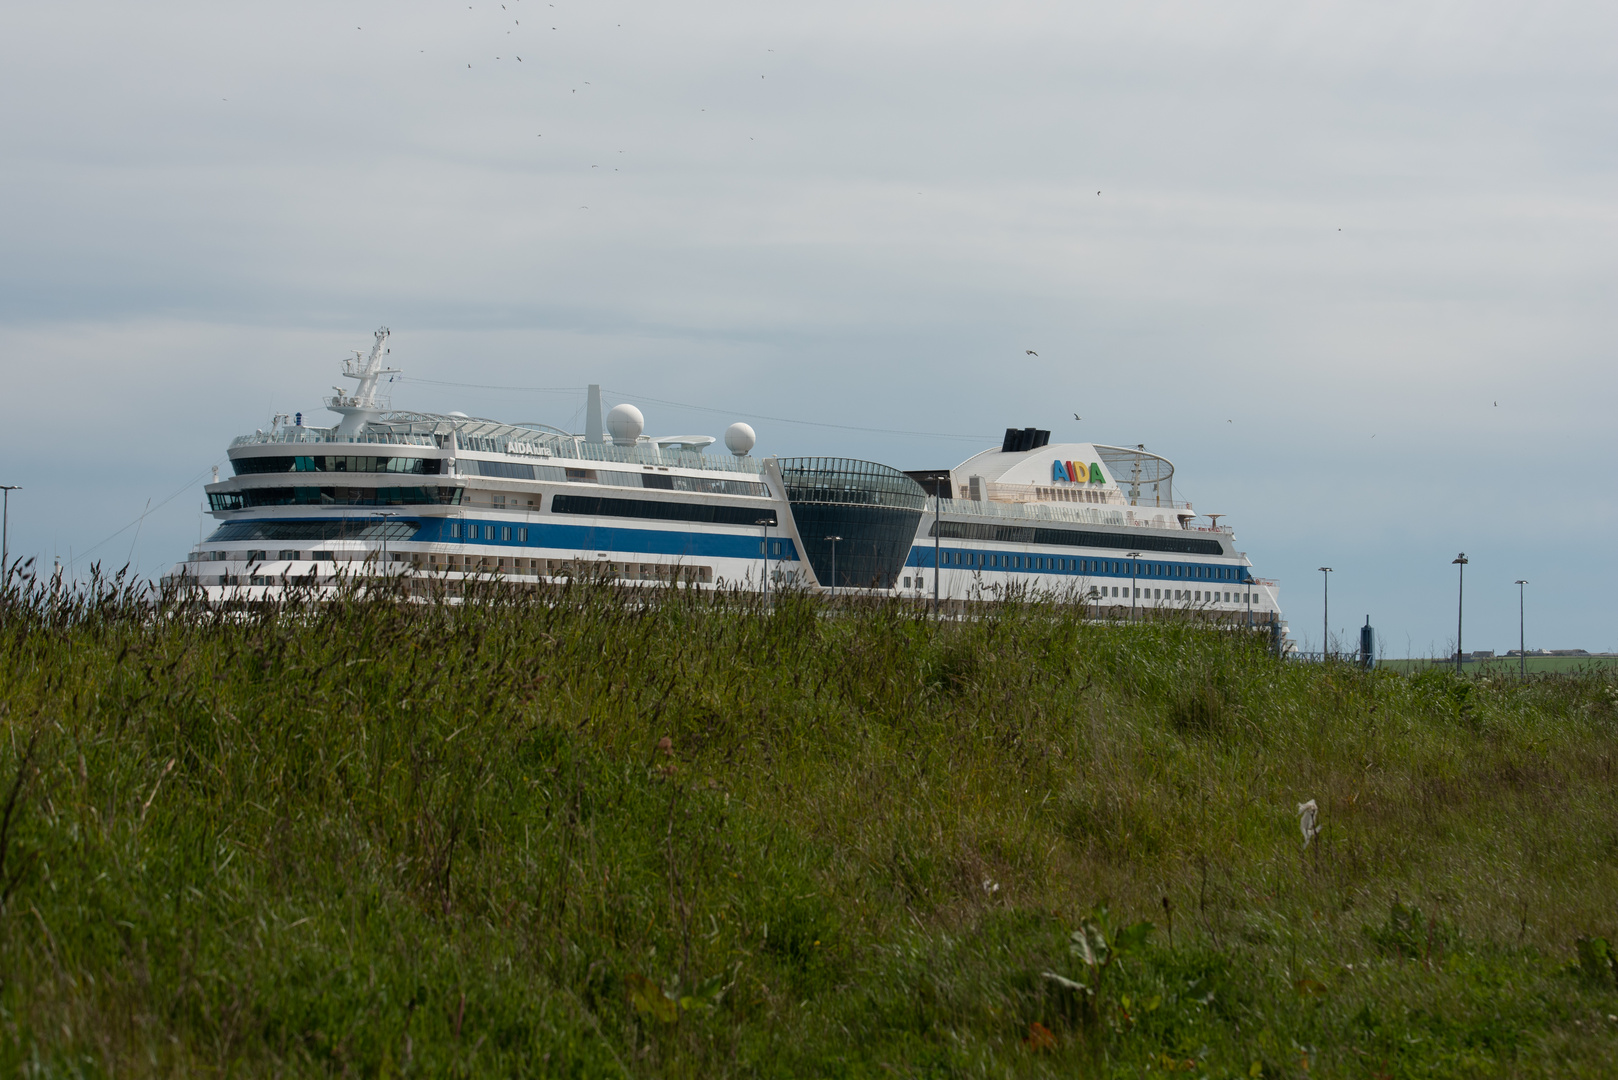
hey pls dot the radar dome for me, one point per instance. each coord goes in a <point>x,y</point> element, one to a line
<point>624,424</point>
<point>739,439</point>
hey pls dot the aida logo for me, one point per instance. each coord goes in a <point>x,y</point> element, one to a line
<point>1074,472</point>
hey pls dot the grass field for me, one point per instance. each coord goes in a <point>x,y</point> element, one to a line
<point>584,833</point>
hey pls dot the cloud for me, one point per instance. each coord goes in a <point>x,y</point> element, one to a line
<point>856,213</point>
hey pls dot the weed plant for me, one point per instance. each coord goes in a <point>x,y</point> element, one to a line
<point>581,831</point>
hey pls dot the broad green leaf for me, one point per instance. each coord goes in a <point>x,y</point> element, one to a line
<point>1132,937</point>
<point>1065,983</point>
<point>648,999</point>
<point>1081,947</point>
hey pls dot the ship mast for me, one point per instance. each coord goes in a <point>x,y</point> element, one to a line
<point>360,407</point>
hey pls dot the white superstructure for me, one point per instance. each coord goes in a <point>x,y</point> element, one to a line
<point>437,499</point>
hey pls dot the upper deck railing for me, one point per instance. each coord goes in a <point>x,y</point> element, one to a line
<point>534,444</point>
<point>1021,511</point>
<point>324,435</point>
<point>1051,493</point>
<point>652,454</point>
<point>1101,514</point>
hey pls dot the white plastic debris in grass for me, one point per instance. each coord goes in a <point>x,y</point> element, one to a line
<point>1307,813</point>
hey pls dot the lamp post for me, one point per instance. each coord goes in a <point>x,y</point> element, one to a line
<point>5,530</point>
<point>938,511</point>
<point>1522,637</point>
<point>834,540</point>
<point>1133,592</point>
<point>1325,611</point>
<point>1459,562</point>
<point>765,548</point>
<point>385,515</point>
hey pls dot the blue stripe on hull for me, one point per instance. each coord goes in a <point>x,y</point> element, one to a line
<point>608,538</point>
<point>921,558</point>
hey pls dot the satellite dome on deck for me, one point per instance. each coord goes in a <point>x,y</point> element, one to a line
<point>739,439</point>
<point>624,424</point>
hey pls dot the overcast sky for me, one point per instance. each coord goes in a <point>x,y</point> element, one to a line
<point>1351,267</point>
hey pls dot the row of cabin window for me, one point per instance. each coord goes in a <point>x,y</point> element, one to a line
<point>488,532</point>
<point>1194,595</point>
<point>990,561</point>
<point>475,531</point>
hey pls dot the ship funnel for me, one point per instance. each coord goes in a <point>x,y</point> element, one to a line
<point>592,416</point>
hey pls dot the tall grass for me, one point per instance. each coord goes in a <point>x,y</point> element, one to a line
<point>583,831</point>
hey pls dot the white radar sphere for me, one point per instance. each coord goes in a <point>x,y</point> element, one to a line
<point>624,424</point>
<point>739,439</point>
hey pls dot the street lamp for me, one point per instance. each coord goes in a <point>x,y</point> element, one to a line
<point>1522,638</point>
<point>5,530</point>
<point>1133,592</point>
<point>765,548</point>
<point>938,535</point>
<point>385,515</point>
<point>1460,562</point>
<point>834,540</point>
<point>1325,611</point>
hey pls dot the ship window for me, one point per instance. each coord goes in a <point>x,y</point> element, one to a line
<point>290,556</point>
<point>775,547</point>
<point>665,511</point>
<point>454,530</point>
<point>505,532</point>
<point>522,536</point>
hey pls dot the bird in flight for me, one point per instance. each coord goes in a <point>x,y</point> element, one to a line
<point>1030,352</point>
<point>1076,416</point>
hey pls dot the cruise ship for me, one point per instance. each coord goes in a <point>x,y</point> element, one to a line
<point>437,500</point>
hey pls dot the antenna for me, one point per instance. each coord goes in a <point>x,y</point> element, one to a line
<point>360,407</point>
